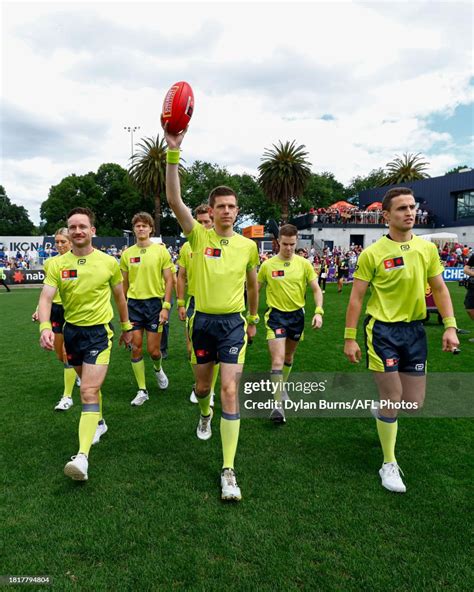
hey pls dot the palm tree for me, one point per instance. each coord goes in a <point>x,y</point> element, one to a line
<point>284,173</point>
<point>148,172</point>
<point>410,167</point>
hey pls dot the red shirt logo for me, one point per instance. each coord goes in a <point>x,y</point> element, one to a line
<point>213,253</point>
<point>278,273</point>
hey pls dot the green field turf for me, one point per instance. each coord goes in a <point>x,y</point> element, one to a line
<point>313,517</point>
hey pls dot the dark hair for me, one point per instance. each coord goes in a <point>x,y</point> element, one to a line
<point>288,230</point>
<point>221,191</point>
<point>395,192</point>
<point>202,209</point>
<point>145,218</point>
<point>85,211</point>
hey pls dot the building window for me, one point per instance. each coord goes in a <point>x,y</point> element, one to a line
<point>465,205</point>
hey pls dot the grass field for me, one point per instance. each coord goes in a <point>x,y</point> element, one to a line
<point>313,517</point>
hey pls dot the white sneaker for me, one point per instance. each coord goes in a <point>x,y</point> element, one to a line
<point>229,488</point>
<point>192,396</point>
<point>77,467</point>
<point>64,404</point>
<point>99,431</point>
<point>375,409</point>
<point>78,381</point>
<point>391,480</point>
<point>203,430</point>
<point>162,379</point>
<point>278,415</point>
<point>140,398</point>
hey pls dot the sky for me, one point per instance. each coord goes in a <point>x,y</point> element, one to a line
<point>357,83</point>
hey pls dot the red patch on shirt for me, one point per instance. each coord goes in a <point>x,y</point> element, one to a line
<point>278,273</point>
<point>211,252</point>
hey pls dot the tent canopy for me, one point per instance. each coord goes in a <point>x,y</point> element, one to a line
<point>447,237</point>
<point>377,205</point>
<point>342,205</point>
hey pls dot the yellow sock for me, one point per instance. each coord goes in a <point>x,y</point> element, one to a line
<point>204,404</point>
<point>139,371</point>
<point>230,426</point>
<point>286,371</point>
<point>387,431</point>
<point>215,374</point>
<point>69,380</point>
<point>157,364</point>
<point>276,377</point>
<point>87,426</point>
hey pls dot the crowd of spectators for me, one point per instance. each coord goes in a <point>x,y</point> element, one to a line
<point>355,215</point>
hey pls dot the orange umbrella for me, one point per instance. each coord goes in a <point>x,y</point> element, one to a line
<point>377,205</point>
<point>341,205</point>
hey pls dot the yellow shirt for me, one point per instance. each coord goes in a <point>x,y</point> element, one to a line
<point>84,284</point>
<point>185,261</point>
<point>57,296</point>
<point>145,267</point>
<point>220,265</point>
<point>398,274</point>
<point>286,281</point>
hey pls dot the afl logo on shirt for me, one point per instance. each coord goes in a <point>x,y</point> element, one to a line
<point>278,273</point>
<point>405,247</point>
<point>224,242</point>
<point>69,274</point>
<point>212,253</point>
<point>395,263</point>
<point>81,261</point>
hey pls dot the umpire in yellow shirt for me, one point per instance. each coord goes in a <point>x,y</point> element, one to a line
<point>85,279</point>
<point>286,277</point>
<point>397,267</point>
<point>223,262</point>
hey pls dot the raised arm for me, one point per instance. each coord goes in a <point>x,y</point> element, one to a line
<point>173,186</point>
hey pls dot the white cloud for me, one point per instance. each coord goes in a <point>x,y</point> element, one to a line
<point>73,75</point>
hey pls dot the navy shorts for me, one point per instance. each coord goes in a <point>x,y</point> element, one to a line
<point>88,345</point>
<point>145,314</point>
<point>282,324</point>
<point>218,338</point>
<point>396,347</point>
<point>469,300</point>
<point>57,318</point>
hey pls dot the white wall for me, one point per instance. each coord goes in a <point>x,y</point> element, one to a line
<point>341,236</point>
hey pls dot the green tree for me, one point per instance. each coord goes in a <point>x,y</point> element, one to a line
<point>109,193</point>
<point>375,178</point>
<point>120,199</point>
<point>409,167</point>
<point>71,192</point>
<point>148,172</point>
<point>200,178</point>
<point>321,191</point>
<point>14,220</point>
<point>283,174</point>
<point>457,169</point>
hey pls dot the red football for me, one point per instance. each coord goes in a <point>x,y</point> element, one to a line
<point>178,107</point>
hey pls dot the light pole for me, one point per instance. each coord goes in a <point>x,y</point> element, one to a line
<point>131,129</point>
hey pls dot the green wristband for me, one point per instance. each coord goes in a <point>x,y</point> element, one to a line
<point>319,310</point>
<point>350,333</point>
<point>253,319</point>
<point>181,302</point>
<point>449,322</point>
<point>166,305</point>
<point>127,326</point>
<point>172,156</point>
<point>46,325</point>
